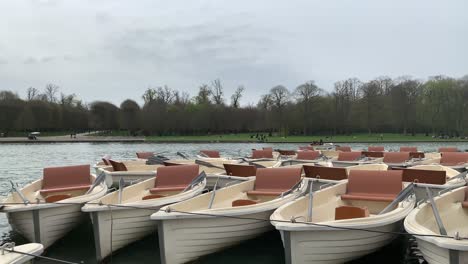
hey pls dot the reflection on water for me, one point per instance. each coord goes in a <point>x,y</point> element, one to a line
<point>23,163</point>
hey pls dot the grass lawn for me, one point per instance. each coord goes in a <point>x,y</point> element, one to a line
<point>296,139</point>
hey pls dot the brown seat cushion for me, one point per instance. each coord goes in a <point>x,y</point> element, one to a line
<point>174,178</point>
<point>144,155</point>
<point>118,166</point>
<point>328,173</point>
<point>396,157</point>
<point>343,148</point>
<point>261,154</point>
<point>211,153</point>
<point>370,185</point>
<point>240,170</point>
<point>69,178</point>
<point>274,181</point>
<point>453,158</point>
<point>350,212</point>
<point>373,154</point>
<point>307,155</point>
<point>57,197</point>
<point>349,156</point>
<point>416,155</point>
<point>424,176</point>
<point>152,196</point>
<point>408,149</point>
<point>376,148</point>
<point>306,148</point>
<point>448,149</point>
<point>465,202</point>
<point>287,152</point>
<point>243,202</point>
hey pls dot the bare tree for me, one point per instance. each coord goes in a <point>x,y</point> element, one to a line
<point>165,95</point>
<point>32,93</point>
<point>69,100</point>
<point>51,92</point>
<point>203,96</point>
<point>236,96</point>
<point>305,94</point>
<point>149,95</point>
<point>217,92</point>
<point>279,96</point>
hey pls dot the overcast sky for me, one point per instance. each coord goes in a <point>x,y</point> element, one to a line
<point>115,49</point>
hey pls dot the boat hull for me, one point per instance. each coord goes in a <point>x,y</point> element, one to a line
<point>46,225</point>
<point>434,254</point>
<point>186,239</point>
<point>115,229</point>
<point>334,246</point>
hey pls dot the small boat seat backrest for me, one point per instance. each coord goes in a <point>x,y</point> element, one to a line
<point>453,158</point>
<point>416,155</point>
<point>327,173</point>
<point>261,154</point>
<point>349,156</point>
<point>408,149</point>
<point>373,154</point>
<point>350,212</point>
<point>376,148</point>
<point>448,149</point>
<point>343,148</point>
<point>211,153</point>
<point>118,166</point>
<point>307,155</point>
<point>274,181</point>
<point>287,152</point>
<point>144,155</point>
<point>371,185</point>
<point>396,157</point>
<point>306,148</point>
<point>174,178</point>
<point>465,202</point>
<point>425,176</point>
<point>240,170</point>
<point>69,178</point>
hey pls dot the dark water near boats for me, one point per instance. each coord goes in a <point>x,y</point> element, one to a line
<point>23,163</point>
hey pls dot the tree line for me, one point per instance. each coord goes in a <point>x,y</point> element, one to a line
<point>401,105</point>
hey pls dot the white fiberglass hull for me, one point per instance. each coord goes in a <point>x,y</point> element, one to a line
<point>46,225</point>
<point>334,246</point>
<point>438,255</point>
<point>183,240</point>
<point>116,229</point>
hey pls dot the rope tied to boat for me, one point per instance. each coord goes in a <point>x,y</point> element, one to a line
<point>10,247</point>
<point>171,210</point>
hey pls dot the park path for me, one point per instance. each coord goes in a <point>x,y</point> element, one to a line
<point>80,138</point>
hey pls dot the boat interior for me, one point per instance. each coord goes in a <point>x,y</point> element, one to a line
<point>169,181</point>
<point>268,185</point>
<point>365,194</point>
<point>453,209</point>
<point>57,184</point>
<point>240,170</point>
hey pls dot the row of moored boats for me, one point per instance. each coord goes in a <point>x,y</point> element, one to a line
<point>331,204</point>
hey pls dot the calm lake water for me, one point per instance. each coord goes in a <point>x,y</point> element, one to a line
<point>23,163</point>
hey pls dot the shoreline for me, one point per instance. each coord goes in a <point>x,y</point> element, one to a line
<point>143,140</point>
